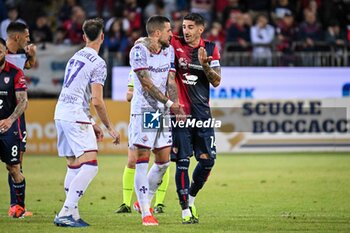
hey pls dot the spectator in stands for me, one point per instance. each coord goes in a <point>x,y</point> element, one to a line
<point>155,7</point>
<point>59,37</point>
<point>100,4</point>
<point>262,35</point>
<point>219,8</point>
<point>256,8</point>
<point>13,16</point>
<point>73,27</point>
<point>282,8</point>
<point>239,33</point>
<point>217,35</point>
<point>310,31</point>
<point>41,31</point>
<point>229,12</point>
<point>116,42</point>
<point>335,37</point>
<point>204,8</point>
<point>286,35</point>
<point>177,23</point>
<point>310,5</point>
<point>66,9</point>
<point>134,15</point>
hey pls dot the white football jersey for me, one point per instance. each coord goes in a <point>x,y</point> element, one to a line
<point>84,68</point>
<point>159,65</point>
<point>18,60</point>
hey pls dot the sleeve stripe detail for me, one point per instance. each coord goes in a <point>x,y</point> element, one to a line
<point>142,68</point>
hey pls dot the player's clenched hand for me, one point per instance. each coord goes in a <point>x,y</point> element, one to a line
<point>178,110</point>
<point>5,125</point>
<point>203,57</point>
<point>31,50</point>
<point>115,135</point>
<point>98,132</point>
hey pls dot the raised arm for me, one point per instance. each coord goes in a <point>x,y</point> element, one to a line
<point>31,51</point>
<point>213,74</point>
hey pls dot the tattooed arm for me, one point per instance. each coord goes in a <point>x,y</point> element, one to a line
<point>172,88</point>
<point>22,102</point>
<point>147,84</point>
<point>213,74</point>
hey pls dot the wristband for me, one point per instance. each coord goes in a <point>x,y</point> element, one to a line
<point>92,121</point>
<point>169,103</point>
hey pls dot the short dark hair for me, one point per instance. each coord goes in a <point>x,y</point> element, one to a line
<point>156,22</point>
<point>196,18</point>
<point>3,42</point>
<point>16,27</point>
<point>92,28</point>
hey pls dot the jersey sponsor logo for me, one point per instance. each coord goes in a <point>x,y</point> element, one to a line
<point>190,79</point>
<point>161,69</point>
<point>7,80</point>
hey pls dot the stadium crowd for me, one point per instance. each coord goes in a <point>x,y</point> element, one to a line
<point>260,28</point>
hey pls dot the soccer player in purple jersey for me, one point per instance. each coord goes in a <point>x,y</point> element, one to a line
<point>77,133</point>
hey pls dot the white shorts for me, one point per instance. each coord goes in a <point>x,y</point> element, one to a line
<point>152,139</point>
<point>75,139</point>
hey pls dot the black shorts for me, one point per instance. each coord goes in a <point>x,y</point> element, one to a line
<point>189,141</point>
<point>10,150</point>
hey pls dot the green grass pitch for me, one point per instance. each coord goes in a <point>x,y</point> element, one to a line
<point>303,192</point>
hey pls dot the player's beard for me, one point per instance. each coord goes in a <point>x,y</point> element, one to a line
<point>2,61</point>
<point>165,44</point>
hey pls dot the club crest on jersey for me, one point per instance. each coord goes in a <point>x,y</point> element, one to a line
<point>7,80</point>
<point>165,52</point>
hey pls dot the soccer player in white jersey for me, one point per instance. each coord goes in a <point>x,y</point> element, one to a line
<point>129,170</point>
<point>77,133</point>
<point>156,78</point>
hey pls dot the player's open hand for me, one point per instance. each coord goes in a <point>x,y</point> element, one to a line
<point>98,132</point>
<point>5,125</point>
<point>203,57</point>
<point>115,136</point>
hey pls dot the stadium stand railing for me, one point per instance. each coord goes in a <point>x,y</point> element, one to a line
<point>322,54</point>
